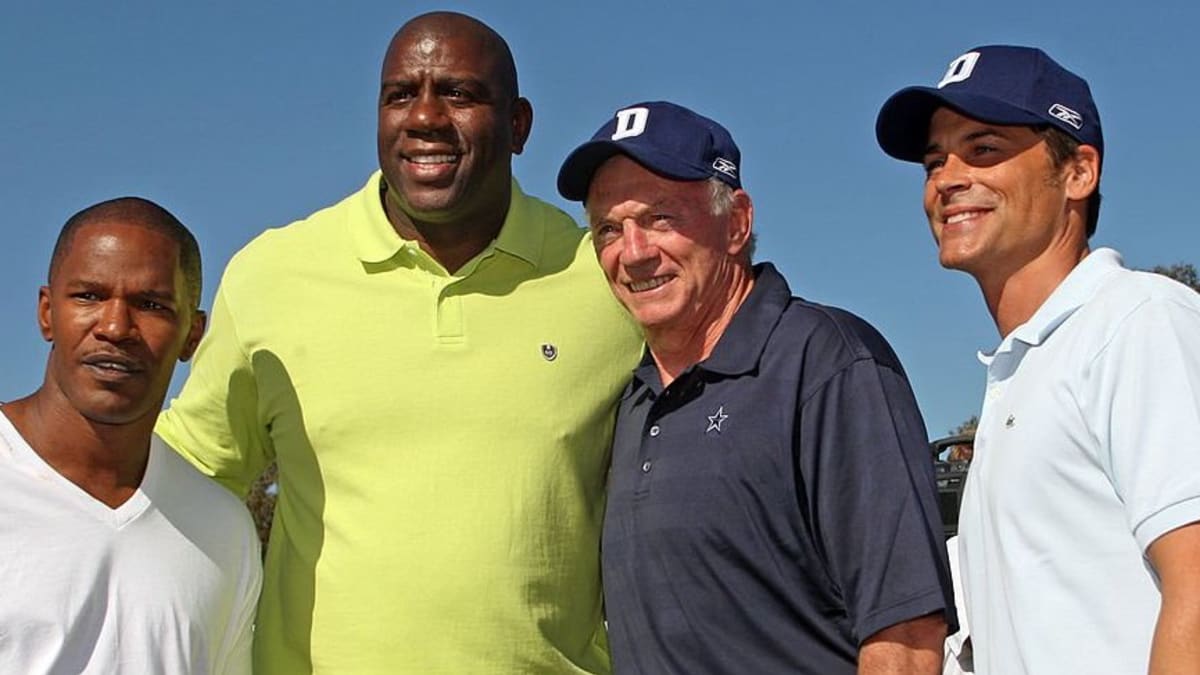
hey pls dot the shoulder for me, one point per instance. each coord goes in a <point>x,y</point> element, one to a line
<point>311,239</point>
<point>184,484</point>
<point>834,334</point>
<point>1151,306</point>
<point>562,237</point>
<point>1124,290</point>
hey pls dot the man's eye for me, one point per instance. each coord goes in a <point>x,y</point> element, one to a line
<point>933,164</point>
<point>605,233</point>
<point>458,95</point>
<point>396,96</point>
<point>87,296</point>
<point>661,221</point>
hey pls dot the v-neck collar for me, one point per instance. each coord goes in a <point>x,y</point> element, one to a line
<point>38,469</point>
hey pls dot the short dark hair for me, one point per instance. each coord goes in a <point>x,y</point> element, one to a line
<point>143,213</point>
<point>1063,147</point>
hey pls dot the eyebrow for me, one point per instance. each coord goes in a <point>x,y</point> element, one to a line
<point>973,136</point>
<point>89,284</point>
<point>447,81</point>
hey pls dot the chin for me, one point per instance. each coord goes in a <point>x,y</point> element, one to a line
<point>115,410</point>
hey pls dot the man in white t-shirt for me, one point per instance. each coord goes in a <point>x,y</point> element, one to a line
<point>117,556</point>
<point>1080,524</point>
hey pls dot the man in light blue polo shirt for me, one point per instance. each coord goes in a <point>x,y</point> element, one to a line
<point>1079,523</point>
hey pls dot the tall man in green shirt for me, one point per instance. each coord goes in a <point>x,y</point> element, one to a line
<point>434,363</point>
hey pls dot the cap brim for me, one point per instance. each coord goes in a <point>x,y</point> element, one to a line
<point>575,176</point>
<point>902,127</point>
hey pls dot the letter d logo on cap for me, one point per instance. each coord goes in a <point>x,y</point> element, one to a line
<point>630,122</point>
<point>960,69</point>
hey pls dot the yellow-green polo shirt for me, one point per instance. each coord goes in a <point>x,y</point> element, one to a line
<point>442,441</point>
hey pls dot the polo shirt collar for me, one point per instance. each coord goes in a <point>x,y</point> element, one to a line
<point>1081,284</point>
<point>740,347</point>
<point>376,241</point>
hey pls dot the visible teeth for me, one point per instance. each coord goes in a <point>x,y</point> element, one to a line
<point>959,217</point>
<point>112,365</point>
<point>639,286</point>
<point>433,159</point>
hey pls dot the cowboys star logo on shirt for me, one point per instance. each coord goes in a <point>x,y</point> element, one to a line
<point>716,419</point>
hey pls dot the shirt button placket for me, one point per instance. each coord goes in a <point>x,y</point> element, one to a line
<point>648,464</point>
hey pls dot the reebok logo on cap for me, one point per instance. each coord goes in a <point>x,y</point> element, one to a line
<point>1067,115</point>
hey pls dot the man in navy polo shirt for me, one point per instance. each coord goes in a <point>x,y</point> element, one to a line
<point>771,499</point>
<point>1080,524</point>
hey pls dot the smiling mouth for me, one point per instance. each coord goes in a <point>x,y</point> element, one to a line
<point>433,159</point>
<point>963,216</point>
<point>648,284</point>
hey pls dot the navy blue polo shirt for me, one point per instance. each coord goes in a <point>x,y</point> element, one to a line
<point>775,505</point>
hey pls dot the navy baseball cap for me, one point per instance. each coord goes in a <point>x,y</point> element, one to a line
<point>666,138</point>
<point>997,84</point>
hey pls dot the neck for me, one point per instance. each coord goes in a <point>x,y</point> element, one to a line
<point>677,348</point>
<point>452,241</point>
<point>107,461</point>
<point>1014,296</point>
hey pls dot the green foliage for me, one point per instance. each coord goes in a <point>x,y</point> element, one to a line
<point>967,427</point>
<point>261,503</point>
<point>1184,273</point>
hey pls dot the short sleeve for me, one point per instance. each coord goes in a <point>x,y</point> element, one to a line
<point>868,477</point>
<point>214,421</point>
<point>1147,415</point>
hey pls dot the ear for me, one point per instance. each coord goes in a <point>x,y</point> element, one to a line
<point>741,222</point>
<point>1082,173</point>
<point>44,314</point>
<point>522,123</point>
<point>195,332</point>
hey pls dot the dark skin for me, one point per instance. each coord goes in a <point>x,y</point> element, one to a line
<point>450,121</point>
<point>118,316</point>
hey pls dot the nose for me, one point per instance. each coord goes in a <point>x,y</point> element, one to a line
<point>952,176</point>
<point>428,110</point>
<point>636,245</point>
<point>115,323</point>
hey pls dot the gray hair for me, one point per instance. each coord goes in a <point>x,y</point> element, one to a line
<point>720,203</point>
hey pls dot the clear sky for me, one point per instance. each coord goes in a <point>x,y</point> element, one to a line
<point>242,116</point>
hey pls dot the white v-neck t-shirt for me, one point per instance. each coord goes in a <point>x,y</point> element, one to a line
<point>166,583</point>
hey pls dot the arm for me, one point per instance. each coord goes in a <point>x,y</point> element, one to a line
<point>862,447</point>
<point>1148,416</point>
<point>1176,646</point>
<point>912,647</point>
<point>234,656</point>
<point>214,422</point>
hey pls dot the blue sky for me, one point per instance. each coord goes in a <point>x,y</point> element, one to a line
<point>243,116</point>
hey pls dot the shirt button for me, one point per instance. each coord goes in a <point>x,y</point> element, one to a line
<point>646,466</point>
<point>654,430</point>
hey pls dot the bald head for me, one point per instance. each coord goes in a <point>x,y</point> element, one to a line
<point>142,213</point>
<point>434,26</point>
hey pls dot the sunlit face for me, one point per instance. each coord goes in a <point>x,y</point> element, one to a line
<point>992,195</point>
<point>118,315</point>
<point>667,257</point>
<point>448,125</point>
